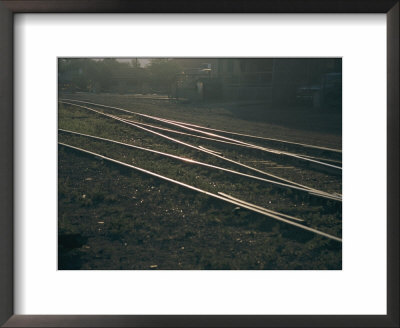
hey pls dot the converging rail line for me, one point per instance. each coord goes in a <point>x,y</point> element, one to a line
<point>261,138</point>
<point>330,168</point>
<point>223,131</point>
<point>312,159</point>
<point>212,153</point>
<point>191,161</point>
<point>223,197</point>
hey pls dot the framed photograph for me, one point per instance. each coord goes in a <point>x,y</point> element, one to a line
<point>199,164</point>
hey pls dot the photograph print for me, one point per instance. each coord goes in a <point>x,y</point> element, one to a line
<point>199,163</point>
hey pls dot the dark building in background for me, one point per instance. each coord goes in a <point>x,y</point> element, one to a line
<point>306,80</point>
<point>281,81</point>
<point>198,80</point>
<point>246,78</point>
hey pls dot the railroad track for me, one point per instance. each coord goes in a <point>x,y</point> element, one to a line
<point>202,149</point>
<point>319,163</point>
<point>311,192</point>
<point>281,217</point>
<point>252,174</point>
<point>303,145</point>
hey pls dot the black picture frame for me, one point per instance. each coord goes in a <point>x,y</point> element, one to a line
<point>10,7</point>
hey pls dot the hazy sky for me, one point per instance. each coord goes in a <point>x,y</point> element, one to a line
<point>142,61</point>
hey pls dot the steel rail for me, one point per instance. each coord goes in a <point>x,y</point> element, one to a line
<point>215,152</point>
<point>199,149</point>
<point>269,150</point>
<point>262,138</point>
<point>159,119</point>
<point>182,133</point>
<point>253,209</point>
<point>324,159</point>
<point>191,161</point>
<point>217,130</point>
<point>259,207</point>
<point>249,145</point>
<point>316,159</point>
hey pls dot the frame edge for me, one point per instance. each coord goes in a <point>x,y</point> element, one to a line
<point>6,204</point>
<point>6,164</point>
<point>393,164</point>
